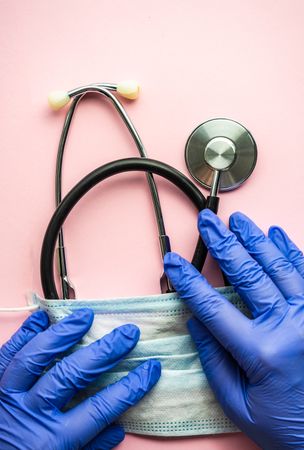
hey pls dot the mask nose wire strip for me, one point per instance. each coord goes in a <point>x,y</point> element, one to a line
<point>88,182</point>
<point>67,287</point>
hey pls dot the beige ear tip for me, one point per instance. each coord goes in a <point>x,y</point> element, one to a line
<point>58,99</point>
<point>128,89</point>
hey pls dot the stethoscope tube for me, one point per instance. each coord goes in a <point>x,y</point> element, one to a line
<point>78,94</point>
<point>87,183</point>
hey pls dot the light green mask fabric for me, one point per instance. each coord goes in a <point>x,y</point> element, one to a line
<point>181,403</point>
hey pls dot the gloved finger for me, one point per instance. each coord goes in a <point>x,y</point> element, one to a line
<point>107,439</point>
<point>35,324</point>
<point>287,247</point>
<point>223,373</point>
<point>89,418</point>
<point>282,272</point>
<point>77,370</point>
<point>244,273</point>
<point>229,326</point>
<point>29,363</point>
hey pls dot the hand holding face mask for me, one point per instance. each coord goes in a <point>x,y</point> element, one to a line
<point>31,415</point>
<point>255,366</point>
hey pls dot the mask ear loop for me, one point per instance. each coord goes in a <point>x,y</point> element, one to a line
<point>91,180</point>
<point>68,290</point>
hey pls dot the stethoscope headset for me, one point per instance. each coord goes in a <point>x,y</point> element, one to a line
<point>220,154</point>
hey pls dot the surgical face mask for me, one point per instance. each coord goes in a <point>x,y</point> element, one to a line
<point>181,403</point>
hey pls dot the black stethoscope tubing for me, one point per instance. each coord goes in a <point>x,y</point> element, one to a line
<point>92,179</point>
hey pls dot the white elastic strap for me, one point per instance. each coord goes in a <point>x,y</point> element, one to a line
<point>20,308</point>
<point>31,306</point>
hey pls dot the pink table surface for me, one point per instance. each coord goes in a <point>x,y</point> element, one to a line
<point>195,60</point>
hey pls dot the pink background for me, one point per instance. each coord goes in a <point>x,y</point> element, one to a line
<point>195,60</point>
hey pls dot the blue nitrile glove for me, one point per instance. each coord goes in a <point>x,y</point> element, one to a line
<point>30,408</point>
<point>255,366</point>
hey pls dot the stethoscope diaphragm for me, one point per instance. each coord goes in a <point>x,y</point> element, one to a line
<point>221,145</point>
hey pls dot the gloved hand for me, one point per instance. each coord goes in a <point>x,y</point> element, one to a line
<point>30,408</point>
<point>255,366</point>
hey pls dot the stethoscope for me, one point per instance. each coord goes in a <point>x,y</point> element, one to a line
<point>220,154</point>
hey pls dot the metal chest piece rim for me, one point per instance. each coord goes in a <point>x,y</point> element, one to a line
<point>223,145</point>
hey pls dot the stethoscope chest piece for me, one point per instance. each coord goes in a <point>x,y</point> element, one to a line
<point>221,145</point>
